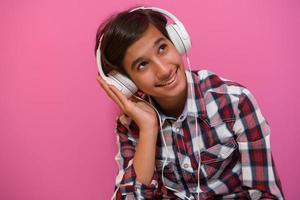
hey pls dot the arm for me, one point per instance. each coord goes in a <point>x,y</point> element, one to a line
<point>136,159</point>
<point>128,185</point>
<point>144,157</point>
<point>259,175</point>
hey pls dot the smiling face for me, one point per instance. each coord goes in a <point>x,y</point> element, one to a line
<point>156,67</point>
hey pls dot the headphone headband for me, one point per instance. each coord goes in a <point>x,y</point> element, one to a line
<point>176,21</point>
<point>178,35</point>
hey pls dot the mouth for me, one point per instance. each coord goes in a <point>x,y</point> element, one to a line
<point>169,81</point>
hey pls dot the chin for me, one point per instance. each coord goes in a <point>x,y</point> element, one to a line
<point>178,91</point>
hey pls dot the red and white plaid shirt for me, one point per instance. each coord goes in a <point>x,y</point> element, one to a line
<point>234,139</point>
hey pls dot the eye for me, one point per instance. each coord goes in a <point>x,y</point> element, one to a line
<point>141,66</point>
<point>162,48</point>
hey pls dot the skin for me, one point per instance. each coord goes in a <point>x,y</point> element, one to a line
<point>159,64</point>
<point>159,73</point>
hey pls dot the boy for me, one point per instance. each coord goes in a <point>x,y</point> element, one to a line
<point>190,135</point>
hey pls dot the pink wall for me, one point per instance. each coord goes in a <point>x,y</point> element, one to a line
<point>56,125</point>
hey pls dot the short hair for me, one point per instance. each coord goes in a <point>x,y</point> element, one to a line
<point>122,30</point>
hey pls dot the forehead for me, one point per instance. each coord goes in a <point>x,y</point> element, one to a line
<point>143,45</point>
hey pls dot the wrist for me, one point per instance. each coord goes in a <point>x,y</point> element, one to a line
<point>149,131</point>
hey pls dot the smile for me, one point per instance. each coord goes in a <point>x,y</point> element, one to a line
<point>170,81</point>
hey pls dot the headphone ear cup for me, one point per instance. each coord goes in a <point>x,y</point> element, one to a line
<point>128,88</point>
<point>181,45</point>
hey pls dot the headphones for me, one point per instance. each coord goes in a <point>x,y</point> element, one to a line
<point>179,37</point>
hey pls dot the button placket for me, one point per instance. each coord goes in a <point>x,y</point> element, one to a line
<point>176,126</point>
<point>185,165</point>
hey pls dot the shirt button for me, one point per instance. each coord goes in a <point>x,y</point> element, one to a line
<point>186,165</point>
<point>177,129</point>
<point>194,189</point>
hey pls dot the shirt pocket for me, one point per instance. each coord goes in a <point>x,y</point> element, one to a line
<point>215,160</point>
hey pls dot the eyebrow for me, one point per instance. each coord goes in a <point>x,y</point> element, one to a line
<point>141,58</point>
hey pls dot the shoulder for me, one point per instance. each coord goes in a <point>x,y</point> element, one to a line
<point>222,97</point>
<point>212,82</point>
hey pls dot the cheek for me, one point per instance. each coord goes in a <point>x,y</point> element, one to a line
<point>182,77</point>
<point>144,83</point>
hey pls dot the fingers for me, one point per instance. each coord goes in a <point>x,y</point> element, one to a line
<point>126,103</point>
<point>135,98</point>
<point>108,90</point>
<point>119,94</point>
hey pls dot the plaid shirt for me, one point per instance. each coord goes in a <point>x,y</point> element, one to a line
<point>234,139</point>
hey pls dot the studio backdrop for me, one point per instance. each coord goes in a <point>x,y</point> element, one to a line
<point>57,139</point>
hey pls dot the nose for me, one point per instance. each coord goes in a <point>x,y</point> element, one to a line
<point>162,69</point>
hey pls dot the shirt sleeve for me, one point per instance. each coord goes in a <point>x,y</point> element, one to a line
<point>259,175</point>
<point>127,186</point>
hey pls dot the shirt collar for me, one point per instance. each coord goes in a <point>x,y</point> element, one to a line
<point>195,99</point>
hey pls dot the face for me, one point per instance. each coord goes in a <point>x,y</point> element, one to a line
<point>155,66</point>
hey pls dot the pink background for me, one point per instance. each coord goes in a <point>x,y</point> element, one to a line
<point>57,126</point>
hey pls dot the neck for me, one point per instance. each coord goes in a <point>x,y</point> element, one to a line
<point>174,106</point>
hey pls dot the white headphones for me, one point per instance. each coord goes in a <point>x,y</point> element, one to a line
<point>179,37</point>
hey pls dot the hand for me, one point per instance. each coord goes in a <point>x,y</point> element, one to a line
<point>140,112</point>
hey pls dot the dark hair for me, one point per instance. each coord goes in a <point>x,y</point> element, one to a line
<point>122,30</point>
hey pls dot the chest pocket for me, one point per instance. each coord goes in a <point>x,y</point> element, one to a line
<point>216,159</point>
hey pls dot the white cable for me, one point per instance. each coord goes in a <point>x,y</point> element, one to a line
<point>168,153</point>
<point>165,161</point>
<point>197,134</point>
